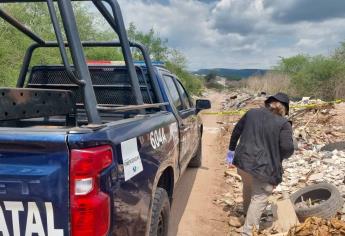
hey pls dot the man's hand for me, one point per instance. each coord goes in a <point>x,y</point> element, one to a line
<point>230,158</point>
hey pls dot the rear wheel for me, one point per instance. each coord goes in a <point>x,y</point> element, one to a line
<point>196,161</point>
<point>160,213</point>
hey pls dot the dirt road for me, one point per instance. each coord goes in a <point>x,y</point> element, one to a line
<point>193,211</point>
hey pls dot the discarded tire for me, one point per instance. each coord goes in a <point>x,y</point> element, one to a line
<point>334,146</point>
<point>330,201</point>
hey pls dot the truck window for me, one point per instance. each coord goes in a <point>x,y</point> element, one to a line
<point>184,95</point>
<point>173,92</point>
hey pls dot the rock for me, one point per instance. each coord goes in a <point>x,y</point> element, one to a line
<point>335,152</point>
<point>239,230</point>
<point>316,177</point>
<point>233,174</point>
<point>236,221</point>
<point>328,155</point>
<point>278,189</point>
<point>238,200</point>
<point>228,202</point>
<point>293,182</point>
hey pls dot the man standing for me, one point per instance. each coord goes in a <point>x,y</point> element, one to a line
<point>265,141</point>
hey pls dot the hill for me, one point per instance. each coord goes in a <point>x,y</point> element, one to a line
<point>232,73</point>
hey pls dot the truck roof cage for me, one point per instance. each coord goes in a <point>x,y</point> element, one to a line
<point>114,17</point>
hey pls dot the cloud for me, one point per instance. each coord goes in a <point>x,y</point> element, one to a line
<point>240,33</point>
<point>233,16</point>
<point>306,10</point>
<point>163,2</point>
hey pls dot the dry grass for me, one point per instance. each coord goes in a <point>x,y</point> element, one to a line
<point>273,82</point>
<point>270,83</point>
<point>339,90</point>
<point>331,89</point>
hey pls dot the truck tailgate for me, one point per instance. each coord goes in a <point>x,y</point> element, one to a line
<point>34,189</point>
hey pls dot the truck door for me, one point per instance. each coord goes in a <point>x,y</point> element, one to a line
<point>189,115</point>
<point>185,118</point>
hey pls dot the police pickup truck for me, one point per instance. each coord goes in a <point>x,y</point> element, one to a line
<point>89,149</point>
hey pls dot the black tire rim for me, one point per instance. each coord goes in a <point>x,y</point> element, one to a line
<point>161,225</point>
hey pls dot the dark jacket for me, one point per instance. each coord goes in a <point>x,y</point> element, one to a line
<point>265,141</point>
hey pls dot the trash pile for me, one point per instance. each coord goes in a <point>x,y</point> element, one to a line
<point>238,100</point>
<point>314,227</point>
<point>307,167</point>
<point>317,123</point>
<point>319,130</point>
<point>320,227</point>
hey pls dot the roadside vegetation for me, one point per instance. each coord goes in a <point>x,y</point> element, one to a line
<point>36,17</point>
<point>212,82</point>
<point>304,75</point>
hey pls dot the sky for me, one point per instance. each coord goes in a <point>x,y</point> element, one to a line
<point>241,33</point>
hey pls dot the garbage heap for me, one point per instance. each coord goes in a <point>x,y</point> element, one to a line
<point>319,131</point>
<point>317,226</point>
<point>314,226</point>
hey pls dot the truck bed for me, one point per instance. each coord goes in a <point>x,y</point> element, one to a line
<point>112,88</point>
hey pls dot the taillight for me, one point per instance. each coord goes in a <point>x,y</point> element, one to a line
<point>90,207</point>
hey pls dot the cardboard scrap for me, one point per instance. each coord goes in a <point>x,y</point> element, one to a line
<point>315,226</point>
<point>284,215</point>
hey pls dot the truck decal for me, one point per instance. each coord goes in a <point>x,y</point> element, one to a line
<point>131,158</point>
<point>157,138</point>
<point>34,225</point>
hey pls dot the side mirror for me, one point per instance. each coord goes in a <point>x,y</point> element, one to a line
<point>203,104</point>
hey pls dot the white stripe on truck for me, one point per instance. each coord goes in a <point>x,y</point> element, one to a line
<point>34,223</point>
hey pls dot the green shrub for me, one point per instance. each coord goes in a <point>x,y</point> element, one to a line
<point>316,76</point>
<point>193,83</point>
<point>36,16</point>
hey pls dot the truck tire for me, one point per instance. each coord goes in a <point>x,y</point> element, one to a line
<point>196,161</point>
<point>332,203</point>
<point>160,213</point>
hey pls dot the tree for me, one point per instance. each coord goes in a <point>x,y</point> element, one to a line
<point>211,77</point>
<point>157,46</point>
<point>313,76</point>
<point>339,53</point>
<point>292,65</point>
<point>36,17</point>
<point>314,79</point>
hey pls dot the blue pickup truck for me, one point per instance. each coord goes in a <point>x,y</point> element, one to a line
<point>90,149</point>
